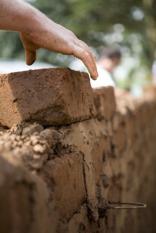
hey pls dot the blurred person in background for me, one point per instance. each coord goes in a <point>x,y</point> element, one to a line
<point>38,31</point>
<point>154,72</point>
<point>108,61</point>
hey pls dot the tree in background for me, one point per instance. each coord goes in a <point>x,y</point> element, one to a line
<point>131,24</point>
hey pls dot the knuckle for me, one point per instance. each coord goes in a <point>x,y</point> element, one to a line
<point>72,35</point>
<point>86,54</point>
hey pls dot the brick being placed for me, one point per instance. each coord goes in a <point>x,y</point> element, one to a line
<point>48,96</point>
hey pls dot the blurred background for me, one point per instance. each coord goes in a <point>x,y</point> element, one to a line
<point>129,25</point>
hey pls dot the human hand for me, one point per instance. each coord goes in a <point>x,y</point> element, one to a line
<point>55,37</point>
<point>38,31</point>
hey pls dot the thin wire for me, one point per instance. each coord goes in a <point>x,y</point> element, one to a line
<point>128,205</point>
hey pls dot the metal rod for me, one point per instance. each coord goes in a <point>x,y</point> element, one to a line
<point>126,205</point>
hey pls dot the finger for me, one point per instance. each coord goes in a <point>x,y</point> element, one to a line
<point>30,57</point>
<point>88,53</point>
<point>88,59</point>
<point>30,51</point>
<point>86,48</point>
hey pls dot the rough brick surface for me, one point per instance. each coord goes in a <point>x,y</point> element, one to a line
<point>60,179</point>
<point>48,96</point>
<point>67,183</point>
<point>23,197</point>
<point>105,103</point>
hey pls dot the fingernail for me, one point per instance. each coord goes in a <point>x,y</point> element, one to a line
<point>95,76</point>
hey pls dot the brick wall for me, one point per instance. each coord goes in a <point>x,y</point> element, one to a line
<point>66,151</point>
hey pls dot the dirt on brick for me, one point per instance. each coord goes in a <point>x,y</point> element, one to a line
<point>59,179</point>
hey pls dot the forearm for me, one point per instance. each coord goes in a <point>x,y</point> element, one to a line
<point>17,15</point>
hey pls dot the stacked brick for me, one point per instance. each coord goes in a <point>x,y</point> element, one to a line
<point>69,150</point>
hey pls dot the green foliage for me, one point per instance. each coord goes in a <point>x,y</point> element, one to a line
<point>131,24</point>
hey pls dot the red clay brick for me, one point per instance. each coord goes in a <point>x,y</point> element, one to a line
<point>49,96</point>
<point>105,103</point>
<point>67,182</point>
